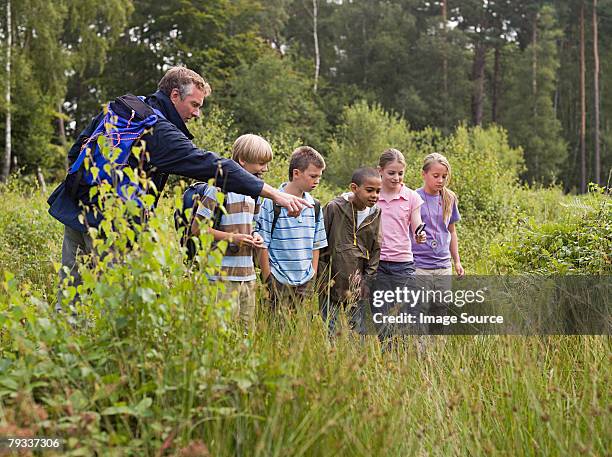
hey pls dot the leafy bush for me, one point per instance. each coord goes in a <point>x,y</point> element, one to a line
<point>485,167</point>
<point>271,95</point>
<point>363,134</point>
<point>214,132</point>
<point>578,243</point>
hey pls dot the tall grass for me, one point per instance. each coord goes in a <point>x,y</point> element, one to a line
<point>159,368</point>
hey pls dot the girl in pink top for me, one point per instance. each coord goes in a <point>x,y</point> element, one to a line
<point>400,216</point>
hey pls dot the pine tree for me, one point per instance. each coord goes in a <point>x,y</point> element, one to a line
<point>528,112</point>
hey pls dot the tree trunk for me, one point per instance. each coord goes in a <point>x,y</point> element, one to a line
<point>365,54</point>
<point>597,177</point>
<point>61,126</point>
<point>6,163</point>
<point>495,89</point>
<point>478,68</point>
<point>534,63</point>
<point>534,84</point>
<point>315,14</point>
<point>583,176</point>
<point>41,181</point>
<point>445,65</point>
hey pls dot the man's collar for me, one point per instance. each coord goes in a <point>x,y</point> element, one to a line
<point>163,103</point>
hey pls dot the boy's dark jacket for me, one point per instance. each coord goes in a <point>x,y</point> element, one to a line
<point>343,255</point>
<point>170,152</point>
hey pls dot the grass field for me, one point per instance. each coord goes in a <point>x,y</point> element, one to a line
<point>156,368</point>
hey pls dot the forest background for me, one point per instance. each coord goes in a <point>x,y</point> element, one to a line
<point>539,69</point>
<point>515,93</point>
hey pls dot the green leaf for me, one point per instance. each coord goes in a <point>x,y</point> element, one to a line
<point>120,409</point>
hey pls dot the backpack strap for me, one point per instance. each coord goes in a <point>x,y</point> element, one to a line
<point>197,199</point>
<point>317,210</point>
<point>277,211</point>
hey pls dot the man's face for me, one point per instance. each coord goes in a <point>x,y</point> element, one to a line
<point>257,169</point>
<point>308,179</point>
<point>189,106</point>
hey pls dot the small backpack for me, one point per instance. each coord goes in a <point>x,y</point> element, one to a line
<point>192,195</point>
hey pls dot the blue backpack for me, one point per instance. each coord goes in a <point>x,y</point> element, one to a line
<point>108,150</point>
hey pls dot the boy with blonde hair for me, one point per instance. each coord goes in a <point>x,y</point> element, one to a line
<point>235,226</point>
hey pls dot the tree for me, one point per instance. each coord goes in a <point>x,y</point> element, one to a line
<point>475,18</point>
<point>90,31</point>
<point>212,37</point>
<point>439,78</point>
<point>315,37</point>
<point>36,66</point>
<point>6,163</point>
<point>583,173</point>
<point>271,95</point>
<point>363,134</point>
<point>597,177</point>
<point>528,111</point>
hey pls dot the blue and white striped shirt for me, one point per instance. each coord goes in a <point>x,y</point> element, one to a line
<point>294,239</point>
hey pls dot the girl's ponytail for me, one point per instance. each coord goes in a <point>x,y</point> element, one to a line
<point>449,198</point>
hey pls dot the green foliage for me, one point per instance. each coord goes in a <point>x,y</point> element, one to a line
<point>485,176</point>
<point>214,132</point>
<point>30,241</point>
<point>485,167</point>
<point>363,134</point>
<point>529,115</point>
<point>153,361</point>
<point>51,42</point>
<point>580,242</point>
<point>271,96</point>
<point>278,169</point>
<point>162,367</point>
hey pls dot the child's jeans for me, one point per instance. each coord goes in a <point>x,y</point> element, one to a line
<point>331,309</point>
<point>399,278</point>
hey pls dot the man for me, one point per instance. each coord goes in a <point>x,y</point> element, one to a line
<point>180,96</point>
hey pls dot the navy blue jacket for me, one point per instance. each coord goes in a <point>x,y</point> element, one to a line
<point>170,151</point>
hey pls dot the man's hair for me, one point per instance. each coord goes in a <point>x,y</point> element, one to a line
<point>183,79</point>
<point>302,157</point>
<point>251,149</point>
<point>361,174</point>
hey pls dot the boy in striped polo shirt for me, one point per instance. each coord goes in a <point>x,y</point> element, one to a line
<point>253,153</point>
<point>290,256</point>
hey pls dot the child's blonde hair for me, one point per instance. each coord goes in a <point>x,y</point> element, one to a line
<point>448,196</point>
<point>251,149</point>
<point>389,156</point>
